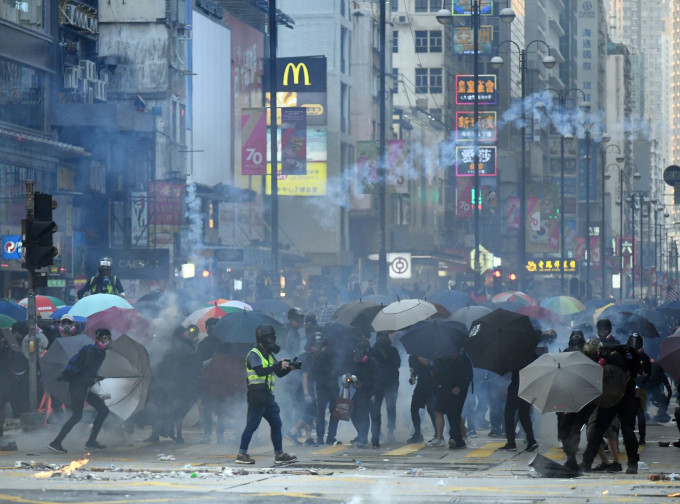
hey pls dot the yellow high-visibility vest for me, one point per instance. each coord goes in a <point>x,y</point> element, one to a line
<point>254,378</point>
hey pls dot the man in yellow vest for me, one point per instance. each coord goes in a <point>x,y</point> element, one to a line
<point>104,282</point>
<point>262,369</point>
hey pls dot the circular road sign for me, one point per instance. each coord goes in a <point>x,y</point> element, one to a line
<point>671,175</point>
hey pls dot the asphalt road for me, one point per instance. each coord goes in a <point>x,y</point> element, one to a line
<point>131,471</point>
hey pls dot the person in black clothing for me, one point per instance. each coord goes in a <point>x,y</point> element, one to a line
<point>513,404</point>
<point>604,332</point>
<point>577,341</point>
<point>656,384</point>
<point>362,378</point>
<point>81,374</point>
<point>626,359</point>
<point>645,370</point>
<point>387,362</point>
<point>209,405</point>
<point>324,374</point>
<point>453,376</point>
<point>423,394</point>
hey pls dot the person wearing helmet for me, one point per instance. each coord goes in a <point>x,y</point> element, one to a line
<point>577,341</point>
<point>262,368</point>
<point>604,332</point>
<point>103,282</point>
<point>81,373</point>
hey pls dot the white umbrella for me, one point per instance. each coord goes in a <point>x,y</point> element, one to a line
<point>560,382</point>
<point>234,303</point>
<point>468,314</point>
<point>402,313</point>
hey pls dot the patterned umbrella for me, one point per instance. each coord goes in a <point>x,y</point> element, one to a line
<point>198,317</point>
<point>539,313</point>
<point>45,305</point>
<point>235,304</point>
<point>518,297</point>
<point>563,305</point>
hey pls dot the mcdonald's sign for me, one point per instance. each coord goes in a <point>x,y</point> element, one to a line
<point>303,74</point>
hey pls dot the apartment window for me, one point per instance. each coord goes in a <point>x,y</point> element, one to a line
<point>22,95</point>
<point>395,80</point>
<point>421,5</point>
<point>436,41</point>
<point>394,5</point>
<point>395,42</point>
<point>435,5</point>
<point>421,41</point>
<point>421,80</point>
<point>435,80</point>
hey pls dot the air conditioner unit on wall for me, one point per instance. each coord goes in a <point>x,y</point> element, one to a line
<point>89,69</point>
<point>71,76</point>
<point>100,88</point>
<point>400,19</point>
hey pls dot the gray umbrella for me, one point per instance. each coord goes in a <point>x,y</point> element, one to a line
<point>468,314</point>
<point>560,382</point>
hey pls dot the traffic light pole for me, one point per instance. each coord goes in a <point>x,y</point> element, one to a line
<point>31,418</point>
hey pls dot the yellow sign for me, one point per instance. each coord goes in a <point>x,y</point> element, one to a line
<point>311,184</point>
<point>551,266</point>
<point>296,73</point>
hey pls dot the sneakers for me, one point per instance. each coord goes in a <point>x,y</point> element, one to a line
<point>94,445</point>
<point>531,446</point>
<point>632,468</point>
<point>375,444</point>
<point>56,447</point>
<point>292,437</point>
<point>332,441</point>
<point>244,458</point>
<point>416,438</point>
<point>509,447</point>
<point>436,442</point>
<point>676,444</point>
<point>603,467</point>
<point>615,467</point>
<point>284,458</point>
<point>456,446</point>
<point>311,442</point>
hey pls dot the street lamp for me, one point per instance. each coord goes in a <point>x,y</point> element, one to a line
<point>585,107</point>
<point>619,159</point>
<point>496,63</point>
<point>633,197</point>
<point>444,17</point>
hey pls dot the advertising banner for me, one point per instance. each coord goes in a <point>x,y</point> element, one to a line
<point>294,141</point>
<point>465,126</point>
<point>465,157</point>
<point>486,89</point>
<point>254,141</point>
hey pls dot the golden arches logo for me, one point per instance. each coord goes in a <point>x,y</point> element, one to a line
<point>296,73</point>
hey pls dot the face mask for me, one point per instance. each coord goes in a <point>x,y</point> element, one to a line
<point>363,359</point>
<point>273,348</point>
<point>68,329</point>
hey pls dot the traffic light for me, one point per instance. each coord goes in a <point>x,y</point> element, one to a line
<point>512,277</point>
<point>497,280</point>
<point>39,249</point>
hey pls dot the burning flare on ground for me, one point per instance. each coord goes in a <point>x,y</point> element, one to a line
<point>66,470</point>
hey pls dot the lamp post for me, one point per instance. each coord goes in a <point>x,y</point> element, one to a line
<point>445,17</point>
<point>496,63</point>
<point>633,198</point>
<point>619,159</point>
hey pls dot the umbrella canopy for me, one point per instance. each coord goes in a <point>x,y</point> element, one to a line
<point>563,305</point>
<point>452,300</point>
<point>502,341</point>
<point>323,314</point>
<point>94,303</point>
<point>121,321</point>
<point>595,303</point>
<point>128,377</point>
<point>63,311</point>
<point>198,317</point>
<point>357,314</point>
<point>54,361</point>
<point>469,314</point>
<point>669,356</point>
<point>434,339</point>
<point>234,303</point>
<point>271,306</point>
<point>539,313</point>
<point>561,382</point>
<point>402,313</point>
<point>518,297</point>
<point>240,327</point>
<point>626,323</point>
<point>6,321</point>
<point>45,305</point>
<point>12,310</point>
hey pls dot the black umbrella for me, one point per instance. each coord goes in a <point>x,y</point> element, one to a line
<point>271,307</point>
<point>452,300</point>
<point>357,314</point>
<point>240,327</point>
<point>434,339</point>
<point>54,361</point>
<point>626,323</point>
<point>502,341</point>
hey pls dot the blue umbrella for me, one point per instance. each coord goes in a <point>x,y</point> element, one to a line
<point>97,302</point>
<point>63,311</point>
<point>452,300</point>
<point>12,310</point>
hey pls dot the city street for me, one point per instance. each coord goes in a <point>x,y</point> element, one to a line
<point>397,472</point>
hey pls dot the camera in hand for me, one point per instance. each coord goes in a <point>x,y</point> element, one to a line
<point>295,364</point>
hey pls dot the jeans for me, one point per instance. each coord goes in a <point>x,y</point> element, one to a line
<point>80,393</point>
<point>272,414</point>
<point>325,399</point>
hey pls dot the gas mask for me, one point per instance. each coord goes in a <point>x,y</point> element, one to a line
<point>271,346</point>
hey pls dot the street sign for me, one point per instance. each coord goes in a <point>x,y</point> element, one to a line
<point>399,265</point>
<point>11,247</point>
<point>671,175</point>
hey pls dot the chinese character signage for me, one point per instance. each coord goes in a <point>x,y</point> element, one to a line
<point>551,266</point>
<point>486,89</point>
<point>465,157</point>
<point>543,223</point>
<point>464,43</point>
<point>465,126</point>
